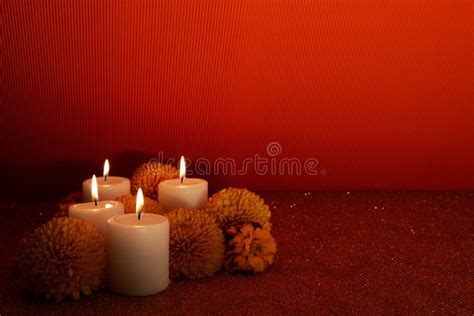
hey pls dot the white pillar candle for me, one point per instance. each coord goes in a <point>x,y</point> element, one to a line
<point>97,214</point>
<point>138,250</point>
<point>109,187</point>
<point>191,193</point>
<point>183,192</point>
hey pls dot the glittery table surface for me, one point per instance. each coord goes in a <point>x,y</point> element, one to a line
<point>339,253</point>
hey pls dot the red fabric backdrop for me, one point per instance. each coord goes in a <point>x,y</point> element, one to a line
<point>380,92</point>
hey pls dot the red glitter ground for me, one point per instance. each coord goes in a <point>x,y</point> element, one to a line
<point>339,252</point>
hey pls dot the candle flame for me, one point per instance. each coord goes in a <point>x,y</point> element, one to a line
<point>106,169</point>
<point>94,189</point>
<point>182,169</point>
<point>139,203</point>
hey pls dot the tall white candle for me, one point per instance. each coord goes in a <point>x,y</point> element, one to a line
<point>183,192</point>
<point>109,187</point>
<point>138,250</point>
<point>97,212</point>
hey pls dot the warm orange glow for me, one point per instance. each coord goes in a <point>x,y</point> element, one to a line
<point>182,169</point>
<point>139,203</point>
<point>94,189</point>
<point>106,168</point>
<point>396,84</point>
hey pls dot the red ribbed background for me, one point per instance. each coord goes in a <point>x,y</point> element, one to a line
<point>380,92</point>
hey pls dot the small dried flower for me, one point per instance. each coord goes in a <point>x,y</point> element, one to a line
<point>249,249</point>
<point>64,204</point>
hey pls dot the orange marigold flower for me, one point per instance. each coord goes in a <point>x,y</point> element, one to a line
<point>150,206</point>
<point>234,206</point>
<point>196,244</point>
<point>250,249</point>
<point>64,257</point>
<point>149,175</point>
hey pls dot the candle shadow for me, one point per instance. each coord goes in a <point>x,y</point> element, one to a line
<point>54,178</point>
<point>125,163</point>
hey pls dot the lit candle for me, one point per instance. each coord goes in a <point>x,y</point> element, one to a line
<point>183,192</point>
<point>138,250</point>
<point>97,212</point>
<point>109,187</point>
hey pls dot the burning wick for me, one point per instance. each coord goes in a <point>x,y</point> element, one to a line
<point>139,203</point>
<point>106,169</point>
<point>182,169</point>
<point>94,190</point>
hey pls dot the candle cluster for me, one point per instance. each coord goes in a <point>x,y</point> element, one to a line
<point>169,229</point>
<point>137,244</point>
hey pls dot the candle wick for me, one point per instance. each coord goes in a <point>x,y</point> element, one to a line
<point>139,215</point>
<point>182,179</point>
<point>105,178</point>
<point>95,202</point>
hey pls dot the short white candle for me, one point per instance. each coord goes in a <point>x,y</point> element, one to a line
<point>109,187</point>
<point>138,250</point>
<point>96,213</point>
<point>183,192</point>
